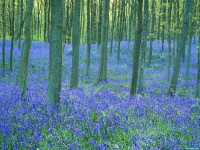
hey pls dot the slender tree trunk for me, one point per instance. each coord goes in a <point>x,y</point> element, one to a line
<point>102,76</point>
<point>169,39</point>
<point>130,24</point>
<point>83,29</point>
<point>178,25</point>
<point>17,21</point>
<point>99,23</point>
<point>75,44</point>
<point>13,35</point>
<point>136,50</point>
<point>163,22</point>
<point>4,35</point>
<point>120,28</point>
<point>38,20</point>
<point>152,36</point>
<point>45,20</point>
<point>189,52</point>
<point>177,62</point>
<point>49,20</point>
<point>159,20</point>
<point>88,38</point>
<point>21,23</point>
<point>26,48</point>
<point>174,33</point>
<point>114,9</point>
<point>143,46</point>
<point>10,18</point>
<point>63,29</point>
<point>55,68</point>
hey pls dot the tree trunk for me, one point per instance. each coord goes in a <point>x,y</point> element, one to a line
<point>88,38</point>
<point>163,22</point>
<point>102,76</point>
<point>189,52</point>
<point>114,10</point>
<point>55,68</point>
<point>159,21</point>
<point>169,39</point>
<point>4,35</point>
<point>83,30</point>
<point>26,48</point>
<point>13,35</point>
<point>152,36</point>
<point>136,50</point>
<point>21,23</point>
<point>75,44</point>
<point>143,46</point>
<point>177,62</point>
<point>130,24</point>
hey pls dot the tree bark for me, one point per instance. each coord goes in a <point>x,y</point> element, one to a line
<point>55,68</point>
<point>26,48</point>
<point>152,36</point>
<point>88,38</point>
<point>4,35</point>
<point>143,46</point>
<point>136,50</point>
<point>13,35</point>
<point>177,62</point>
<point>75,44</point>
<point>102,76</point>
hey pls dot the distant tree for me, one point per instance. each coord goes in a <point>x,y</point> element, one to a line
<point>113,24</point>
<point>88,38</point>
<point>17,19</point>
<point>99,23</point>
<point>177,24</point>
<point>152,36</point>
<point>75,44</point>
<point>38,19</point>
<point>163,22</point>
<point>169,38</point>
<point>135,16</point>
<point>143,45</point>
<point>13,35</point>
<point>22,18</point>
<point>45,19</point>
<point>64,31</point>
<point>132,8</point>
<point>4,35</point>
<point>48,20</point>
<point>102,75</point>
<point>121,11</point>
<point>93,21</point>
<point>136,49</point>
<point>177,62</point>
<point>26,48</point>
<point>55,68</point>
<point>83,29</point>
<point>189,50</point>
<point>159,7</point>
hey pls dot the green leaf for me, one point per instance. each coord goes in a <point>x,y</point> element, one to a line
<point>104,113</point>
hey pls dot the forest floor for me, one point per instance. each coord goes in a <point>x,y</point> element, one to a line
<point>100,116</point>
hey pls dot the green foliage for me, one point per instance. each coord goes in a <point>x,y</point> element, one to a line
<point>94,116</point>
<point>156,91</point>
<point>1,137</point>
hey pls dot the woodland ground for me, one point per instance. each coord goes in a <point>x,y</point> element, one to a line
<point>100,116</point>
